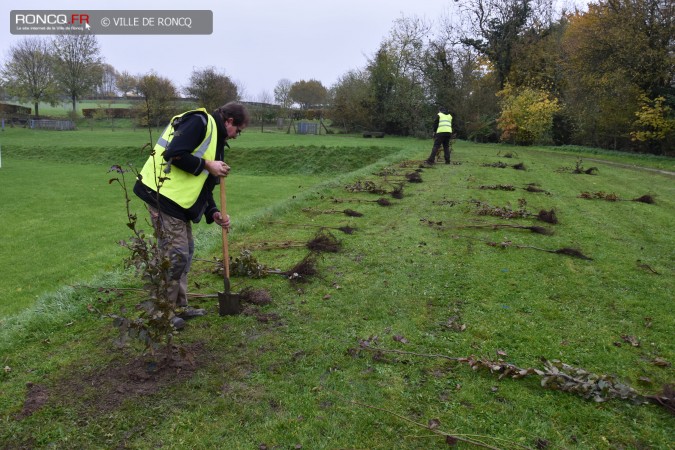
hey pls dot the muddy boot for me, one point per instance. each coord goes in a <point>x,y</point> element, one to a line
<point>177,323</point>
<point>189,312</point>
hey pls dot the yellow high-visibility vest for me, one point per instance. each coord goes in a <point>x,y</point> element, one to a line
<point>180,186</point>
<point>444,123</point>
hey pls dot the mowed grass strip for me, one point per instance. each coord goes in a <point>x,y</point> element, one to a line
<point>62,223</point>
<point>286,374</point>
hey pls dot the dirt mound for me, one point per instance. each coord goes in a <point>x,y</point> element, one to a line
<point>104,389</point>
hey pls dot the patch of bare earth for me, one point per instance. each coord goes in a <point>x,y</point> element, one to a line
<point>104,389</point>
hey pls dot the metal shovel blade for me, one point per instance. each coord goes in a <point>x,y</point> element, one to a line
<point>229,304</point>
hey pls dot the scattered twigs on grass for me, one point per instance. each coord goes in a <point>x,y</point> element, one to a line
<point>497,187</point>
<point>411,177</point>
<point>275,245</point>
<point>346,212</point>
<point>323,241</point>
<point>366,186</point>
<point>250,295</point>
<point>247,265</point>
<point>380,201</point>
<point>555,375</point>
<point>345,229</point>
<point>498,164</point>
<point>612,197</point>
<point>503,165</point>
<point>507,154</point>
<point>506,212</point>
<point>530,187</point>
<point>646,267</point>
<point>450,438</point>
<point>258,297</point>
<point>244,265</point>
<point>547,216</point>
<point>497,226</point>
<point>397,192</point>
<point>508,244</point>
<point>579,169</point>
<point>302,271</point>
<point>393,171</point>
<point>562,251</point>
<point>533,187</point>
<point>410,163</point>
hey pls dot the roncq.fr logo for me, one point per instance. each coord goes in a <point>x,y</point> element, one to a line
<point>51,19</point>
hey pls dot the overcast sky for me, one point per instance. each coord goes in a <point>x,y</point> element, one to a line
<point>255,42</point>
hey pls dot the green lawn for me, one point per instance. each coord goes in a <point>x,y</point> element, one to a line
<point>426,275</point>
<point>67,224</point>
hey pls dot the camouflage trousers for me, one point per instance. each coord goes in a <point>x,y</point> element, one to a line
<point>175,238</point>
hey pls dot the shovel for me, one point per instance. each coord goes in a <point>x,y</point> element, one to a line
<point>229,304</point>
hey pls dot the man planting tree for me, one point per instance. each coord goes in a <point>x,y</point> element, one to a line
<point>177,184</point>
<point>442,134</point>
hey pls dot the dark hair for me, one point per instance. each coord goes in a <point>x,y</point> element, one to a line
<point>443,109</point>
<point>236,111</point>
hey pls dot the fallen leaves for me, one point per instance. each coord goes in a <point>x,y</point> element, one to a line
<point>632,340</point>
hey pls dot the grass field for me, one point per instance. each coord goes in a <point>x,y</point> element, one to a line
<point>428,275</point>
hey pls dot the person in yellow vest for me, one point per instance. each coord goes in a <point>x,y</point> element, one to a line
<point>442,135</point>
<point>177,183</point>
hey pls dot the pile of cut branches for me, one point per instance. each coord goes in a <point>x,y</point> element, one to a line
<point>498,164</point>
<point>506,212</point>
<point>366,186</point>
<point>323,241</point>
<point>611,197</point>
<point>579,169</point>
<point>555,375</point>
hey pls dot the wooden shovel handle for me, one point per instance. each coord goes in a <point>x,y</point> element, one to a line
<point>223,212</point>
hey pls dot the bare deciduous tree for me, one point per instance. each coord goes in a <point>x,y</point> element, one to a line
<point>28,72</point>
<point>78,67</point>
<point>108,83</point>
<point>282,93</point>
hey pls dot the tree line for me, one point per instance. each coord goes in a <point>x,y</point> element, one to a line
<point>509,70</point>
<point>47,70</point>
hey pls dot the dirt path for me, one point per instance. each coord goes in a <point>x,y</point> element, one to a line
<point>631,166</point>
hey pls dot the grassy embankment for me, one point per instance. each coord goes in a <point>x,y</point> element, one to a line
<point>288,373</point>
